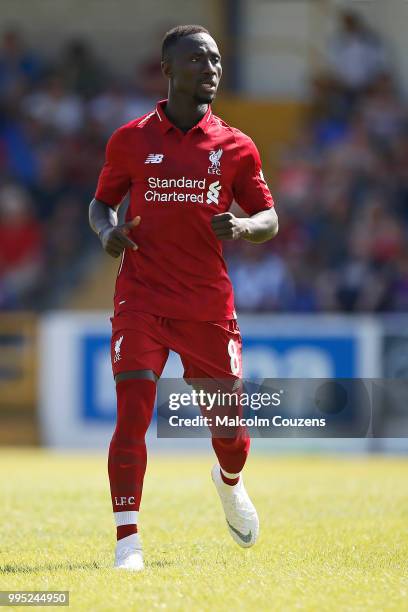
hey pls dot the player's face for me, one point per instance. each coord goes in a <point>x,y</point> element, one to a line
<point>195,67</point>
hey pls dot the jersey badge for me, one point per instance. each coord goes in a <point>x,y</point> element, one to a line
<point>214,157</point>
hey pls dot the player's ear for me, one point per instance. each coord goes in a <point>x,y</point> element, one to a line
<point>166,68</point>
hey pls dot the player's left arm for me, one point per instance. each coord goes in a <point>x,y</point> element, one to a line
<point>258,228</point>
<point>252,193</point>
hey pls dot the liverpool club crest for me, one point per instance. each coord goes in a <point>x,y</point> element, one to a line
<point>214,158</point>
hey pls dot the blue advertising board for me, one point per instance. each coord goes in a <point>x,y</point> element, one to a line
<point>274,347</point>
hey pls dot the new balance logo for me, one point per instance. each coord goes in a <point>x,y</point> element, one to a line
<point>213,192</point>
<point>154,158</point>
<point>118,356</point>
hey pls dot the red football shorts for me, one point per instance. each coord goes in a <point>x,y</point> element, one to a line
<point>208,349</point>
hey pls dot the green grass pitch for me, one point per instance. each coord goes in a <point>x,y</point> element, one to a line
<point>334,534</point>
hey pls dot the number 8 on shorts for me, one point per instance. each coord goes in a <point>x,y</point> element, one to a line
<point>234,357</point>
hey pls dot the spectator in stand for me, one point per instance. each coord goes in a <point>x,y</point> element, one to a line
<point>21,247</point>
<point>399,288</point>
<point>80,70</point>
<point>328,112</point>
<point>55,105</point>
<point>51,183</point>
<point>64,247</point>
<point>19,67</point>
<point>261,281</point>
<point>150,79</point>
<point>19,137</point>
<point>400,167</point>
<point>355,152</point>
<point>359,285</point>
<point>117,105</point>
<point>356,55</point>
<point>382,112</point>
<point>83,156</point>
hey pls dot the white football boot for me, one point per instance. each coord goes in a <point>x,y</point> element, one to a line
<point>129,554</point>
<point>241,516</point>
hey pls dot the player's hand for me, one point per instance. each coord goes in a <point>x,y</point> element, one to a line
<point>228,227</point>
<point>115,239</point>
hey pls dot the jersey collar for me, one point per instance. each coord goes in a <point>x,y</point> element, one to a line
<point>166,125</point>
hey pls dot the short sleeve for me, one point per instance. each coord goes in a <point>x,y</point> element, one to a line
<point>250,189</point>
<point>114,179</point>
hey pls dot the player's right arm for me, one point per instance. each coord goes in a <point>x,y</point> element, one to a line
<point>114,238</point>
<point>113,185</point>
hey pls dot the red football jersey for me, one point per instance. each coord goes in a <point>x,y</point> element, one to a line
<point>177,182</point>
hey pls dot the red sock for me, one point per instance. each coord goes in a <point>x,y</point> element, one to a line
<point>125,530</point>
<point>232,453</point>
<point>229,481</point>
<point>127,451</point>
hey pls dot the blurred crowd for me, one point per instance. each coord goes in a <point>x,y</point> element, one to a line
<point>341,190</point>
<point>55,119</point>
<point>341,193</point>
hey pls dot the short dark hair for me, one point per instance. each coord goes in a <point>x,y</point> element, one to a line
<point>172,36</point>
